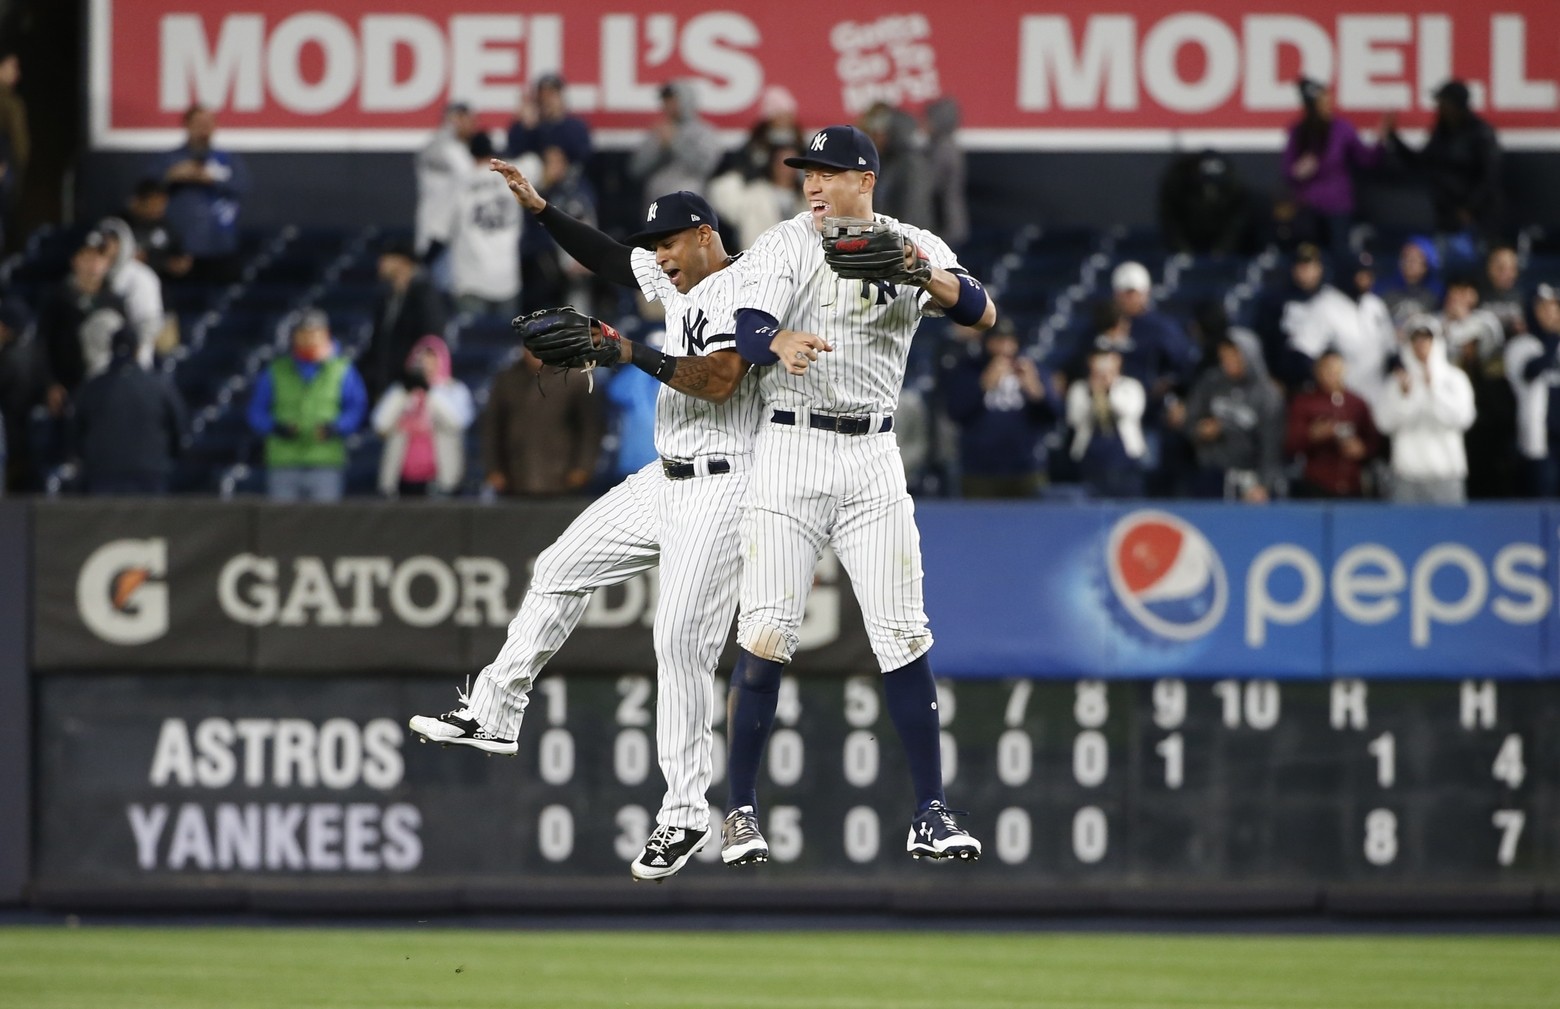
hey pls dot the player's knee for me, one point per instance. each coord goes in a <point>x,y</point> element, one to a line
<point>774,644</point>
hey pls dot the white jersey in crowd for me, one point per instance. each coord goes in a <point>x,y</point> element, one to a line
<point>868,323</point>
<point>485,238</point>
<point>1361,331</point>
<point>441,166</point>
<point>699,323</point>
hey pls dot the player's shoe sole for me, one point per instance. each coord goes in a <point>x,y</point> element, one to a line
<point>452,729</point>
<point>934,834</point>
<point>667,851</point>
<point>741,841</point>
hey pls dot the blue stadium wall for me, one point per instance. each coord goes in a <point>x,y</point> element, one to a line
<point>1190,708</point>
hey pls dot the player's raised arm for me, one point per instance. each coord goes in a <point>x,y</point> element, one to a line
<point>598,252</point>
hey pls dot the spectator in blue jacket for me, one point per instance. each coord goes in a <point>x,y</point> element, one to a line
<point>304,404</point>
<point>546,122</point>
<point>996,396</point>
<point>127,424</point>
<point>205,188</point>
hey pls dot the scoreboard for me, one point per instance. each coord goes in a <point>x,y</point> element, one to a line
<point>1116,792</point>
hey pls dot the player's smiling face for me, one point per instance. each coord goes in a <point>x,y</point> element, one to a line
<point>683,257</point>
<point>831,192</point>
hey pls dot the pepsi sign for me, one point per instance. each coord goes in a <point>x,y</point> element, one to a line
<point>1216,590</point>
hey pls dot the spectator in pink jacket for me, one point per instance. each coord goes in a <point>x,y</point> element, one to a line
<point>1319,159</point>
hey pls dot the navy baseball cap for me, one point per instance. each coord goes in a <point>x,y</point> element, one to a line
<point>672,213</point>
<point>838,147</point>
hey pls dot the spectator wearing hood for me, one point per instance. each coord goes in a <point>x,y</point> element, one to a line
<point>407,307</point>
<point>305,403</point>
<point>1351,319</point>
<point>127,424</point>
<point>137,284</point>
<point>442,166</point>
<point>544,121</point>
<point>946,170</point>
<point>1461,161</point>
<point>751,206</point>
<point>484,234</point>
<point>1532,365</point>
<point>904,183</point>
<point>681,150</point>
<point>1322,151</point>
<point>76,322</point>
<point>1426,407</point>
<point>206,186</point>
<point>1235,420</point>
<point>1331,429</point>
<point>1203,207</point>
<point>1415,290</point>
<point>997,397</point>
<point>423,420</point>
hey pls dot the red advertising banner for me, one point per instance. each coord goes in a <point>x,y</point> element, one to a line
<point>373,74</point>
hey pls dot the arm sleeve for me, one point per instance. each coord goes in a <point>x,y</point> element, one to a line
<point>354,402</point>
<point>259,414</point>
<point>388,410</point>
<point>597,252</point>
<point>755,330</point>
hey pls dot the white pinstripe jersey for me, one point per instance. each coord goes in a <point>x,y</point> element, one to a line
<point>699,323</point>
<point>868,324</point>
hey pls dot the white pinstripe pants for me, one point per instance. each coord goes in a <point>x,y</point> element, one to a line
<point>691,528</point>
<point>814,487</point>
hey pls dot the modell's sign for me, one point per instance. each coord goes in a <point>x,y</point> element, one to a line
<point>367,74</point>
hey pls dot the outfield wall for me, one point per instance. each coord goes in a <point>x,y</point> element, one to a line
<point>1191,708</point>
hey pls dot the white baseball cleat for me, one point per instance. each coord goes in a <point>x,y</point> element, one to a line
<point>934,834</point>
<point>667,851</point>
<point>459,728</point>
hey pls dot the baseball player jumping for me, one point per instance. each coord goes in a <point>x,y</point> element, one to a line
<point>833,297</point>
<point>681,510</point>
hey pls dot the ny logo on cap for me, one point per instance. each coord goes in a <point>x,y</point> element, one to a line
<point>819,139</point>
<point>650,214</point>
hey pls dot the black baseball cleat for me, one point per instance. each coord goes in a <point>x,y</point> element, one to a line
<point>667,851</point>
<point>934,834</point>
<point>741,841</point>
<point>459,728</point>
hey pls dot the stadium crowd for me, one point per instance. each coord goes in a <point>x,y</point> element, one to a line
<point>1250,347</point>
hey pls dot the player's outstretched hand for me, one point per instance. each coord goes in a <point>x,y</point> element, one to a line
<point>798,350</point>
<point>525,193</point>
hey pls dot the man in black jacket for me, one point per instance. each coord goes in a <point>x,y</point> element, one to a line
<point>408,308</point>
<point>62,332</point>
<point>128,424</point>
<point>1461,162</point>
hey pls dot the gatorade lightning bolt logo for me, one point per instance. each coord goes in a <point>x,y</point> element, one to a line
<point>1166,575</point>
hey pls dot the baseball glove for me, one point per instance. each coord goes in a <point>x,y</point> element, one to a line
<point>564,338</point>
<point>859,249</point>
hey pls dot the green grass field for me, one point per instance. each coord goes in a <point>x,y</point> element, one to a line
<point>237,968</point>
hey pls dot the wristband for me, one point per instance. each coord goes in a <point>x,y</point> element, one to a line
<point>651,361</point>
<point>971,304</point>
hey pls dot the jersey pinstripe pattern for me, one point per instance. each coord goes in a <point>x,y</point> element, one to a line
<point>691,528</point>
<point>698,323</point>
<point>812,487</point>
<point>870,325</point>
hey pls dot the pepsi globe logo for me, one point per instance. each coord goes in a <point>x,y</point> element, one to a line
<point>1166,575</point>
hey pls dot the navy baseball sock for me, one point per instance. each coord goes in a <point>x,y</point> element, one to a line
<point>911,694</point>
<point>755,692</point>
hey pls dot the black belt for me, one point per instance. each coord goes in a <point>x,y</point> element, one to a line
<point>685,470</point>
<point>832,422</point>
